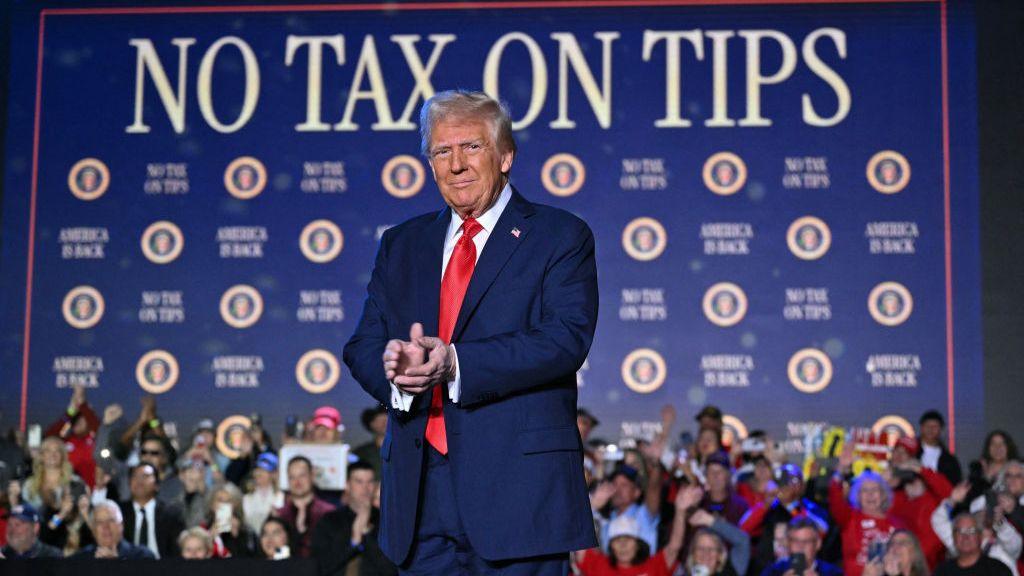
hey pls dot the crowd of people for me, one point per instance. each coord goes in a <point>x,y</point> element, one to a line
<point>103,486</point>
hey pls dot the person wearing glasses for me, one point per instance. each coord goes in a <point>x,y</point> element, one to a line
<point>969,547</point>
<point>968,535</point>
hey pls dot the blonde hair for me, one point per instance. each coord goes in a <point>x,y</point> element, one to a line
<point>34,485</point>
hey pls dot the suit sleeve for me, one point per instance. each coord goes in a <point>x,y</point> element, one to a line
<point>500,365</point>
<point>365,350</point>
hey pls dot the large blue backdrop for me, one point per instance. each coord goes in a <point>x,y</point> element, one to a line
<point>784,198</point>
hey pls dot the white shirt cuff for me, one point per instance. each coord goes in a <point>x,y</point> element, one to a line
<point>455,385</point>
<point>400,400</point>
<point>403,401</point>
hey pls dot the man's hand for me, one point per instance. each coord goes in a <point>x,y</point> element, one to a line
<point>400,355</point>
<point>437,370</point>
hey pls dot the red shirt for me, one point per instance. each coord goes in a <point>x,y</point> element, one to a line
<point>917,514</point>
<point>858,529</point>
<point>595,563</point>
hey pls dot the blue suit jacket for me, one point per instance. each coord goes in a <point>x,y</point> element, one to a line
<point>525,327</point>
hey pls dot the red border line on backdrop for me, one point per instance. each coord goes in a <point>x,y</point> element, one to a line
<point>950,408</point>
<point>499,4</point>
<point>453,6</point>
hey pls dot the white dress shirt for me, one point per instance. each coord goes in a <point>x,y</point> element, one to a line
<point>149,510</point>
<point>488,220</point>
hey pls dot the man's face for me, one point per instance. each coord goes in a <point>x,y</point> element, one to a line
<point>106,528</point>
<point>143,484</point>
<point>152,453</point>
<point>361,486</point>
<point>930,432</point>
<point>804,541</point>
<point>300,479</point>
<point>469,169</point>
<point>966,536</point>
<point>21,534</point>
<point>626,492</point>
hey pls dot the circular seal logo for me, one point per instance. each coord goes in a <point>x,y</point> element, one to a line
<point>810,370</point>
<point>162,242</point>
<point>644,239</point>
<point>894,427</point>
<point>403,176</point>
<point>888,172</point>
<point>725,304</point>
<point>83,307</point>
<point>809,238</point>
<point>157,371</point>
<point>241,306</point>
<point>317,371</point>
<point>644,370</point>
<point>725,173</point>
<point>890,303</point>
<point>245,177</point>
<point>230,433</point>
<point>563,174</point>
<point>321,241</point>
<point>733,430</point>
<point>88,179</point>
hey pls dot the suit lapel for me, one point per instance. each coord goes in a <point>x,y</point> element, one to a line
<point>501,244</point>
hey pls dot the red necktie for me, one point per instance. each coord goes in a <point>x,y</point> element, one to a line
<point>453,290</point>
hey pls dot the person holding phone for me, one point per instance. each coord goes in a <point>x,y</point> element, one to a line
<point>803,542</point>
<point>903,557</point>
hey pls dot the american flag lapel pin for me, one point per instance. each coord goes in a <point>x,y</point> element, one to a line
<point>516,232</point>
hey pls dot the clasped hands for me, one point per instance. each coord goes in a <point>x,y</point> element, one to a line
<point>418,364</point>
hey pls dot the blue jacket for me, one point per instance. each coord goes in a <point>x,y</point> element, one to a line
<point>525,328</point>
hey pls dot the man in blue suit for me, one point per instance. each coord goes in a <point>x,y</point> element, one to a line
<point>476,321</point>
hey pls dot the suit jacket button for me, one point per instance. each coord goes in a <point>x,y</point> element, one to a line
<point>418,443</point>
